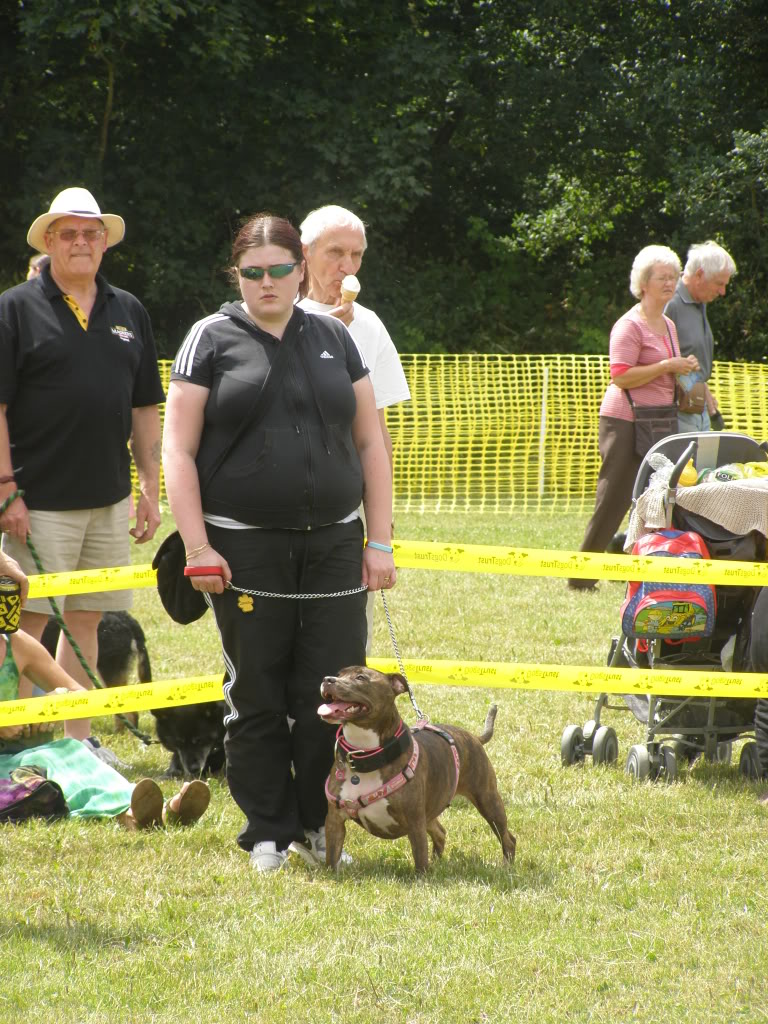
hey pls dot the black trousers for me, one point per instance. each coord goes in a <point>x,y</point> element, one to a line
<point>758,660</point>
<point>276,652</point>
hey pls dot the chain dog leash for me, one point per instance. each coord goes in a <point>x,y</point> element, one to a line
<point>421,716</point>
<point>293,597</point>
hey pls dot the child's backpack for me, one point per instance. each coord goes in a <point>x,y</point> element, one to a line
<point>669,611</point>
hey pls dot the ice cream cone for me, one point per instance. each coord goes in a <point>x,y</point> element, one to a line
<point>350,288</point>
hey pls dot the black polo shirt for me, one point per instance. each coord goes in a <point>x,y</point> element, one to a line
<point>70,393</point>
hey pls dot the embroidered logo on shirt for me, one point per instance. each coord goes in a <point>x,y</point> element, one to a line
<point>325,354</point>
<point>245,603</point>
<point>123,333</point>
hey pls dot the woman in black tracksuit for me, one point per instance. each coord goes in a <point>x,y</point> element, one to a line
<point>278,515</point>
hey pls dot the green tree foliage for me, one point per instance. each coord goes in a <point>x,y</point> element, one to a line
<point>509,156</point>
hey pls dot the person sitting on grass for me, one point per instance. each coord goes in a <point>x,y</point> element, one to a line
<point>91,788</point>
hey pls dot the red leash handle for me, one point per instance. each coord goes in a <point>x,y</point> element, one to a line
<point>203,570</point>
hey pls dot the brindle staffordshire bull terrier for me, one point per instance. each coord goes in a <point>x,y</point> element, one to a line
<point>395,781</point>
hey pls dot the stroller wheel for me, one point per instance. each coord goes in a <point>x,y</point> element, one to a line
<point>605,746</point>
<point>722,753</point>
<point>667,763</point>
<point>749,763</point>
<point>572,745</point>
<point>638,762</point>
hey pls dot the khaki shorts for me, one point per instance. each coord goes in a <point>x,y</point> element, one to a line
<point>70,541</point>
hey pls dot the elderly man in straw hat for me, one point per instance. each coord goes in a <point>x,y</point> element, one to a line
<point>78,382</point>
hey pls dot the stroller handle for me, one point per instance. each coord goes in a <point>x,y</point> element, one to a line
<point>679,466</point>
<point>682,462</point>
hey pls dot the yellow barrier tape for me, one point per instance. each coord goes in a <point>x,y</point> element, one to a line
<point>467,558</point>
<point>59,707</point>
<point>580,678</point>
<point>120,577</point>
<point>576,564</point>
<point>494,675</point>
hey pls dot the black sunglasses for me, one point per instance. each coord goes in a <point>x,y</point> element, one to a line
<point>276,270</point>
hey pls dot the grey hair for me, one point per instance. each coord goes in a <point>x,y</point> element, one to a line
<point>644,263</point>
<point>711,258</point>
<point>324,218</point>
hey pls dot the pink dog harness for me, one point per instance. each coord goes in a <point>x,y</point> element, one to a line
<point>353,807</point>
<point>451,743</point>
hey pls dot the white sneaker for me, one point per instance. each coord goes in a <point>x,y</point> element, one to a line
<point>312,849</point>
<point>104,754</point>
<point>266,856</point>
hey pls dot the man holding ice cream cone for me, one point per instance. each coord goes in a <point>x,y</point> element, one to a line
<point>333,240</point>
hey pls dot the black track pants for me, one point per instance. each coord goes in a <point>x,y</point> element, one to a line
<point>276,652</point>
<point>758,658</point>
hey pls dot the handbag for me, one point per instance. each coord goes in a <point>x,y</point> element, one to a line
<point>691,393</point>
<point>653,422</point>
<point>181,601</point>
<point>29,793</point>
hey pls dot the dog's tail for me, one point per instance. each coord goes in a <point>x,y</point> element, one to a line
<point>490,718</point>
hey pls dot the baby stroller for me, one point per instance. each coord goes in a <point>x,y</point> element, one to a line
<point>680,728</point>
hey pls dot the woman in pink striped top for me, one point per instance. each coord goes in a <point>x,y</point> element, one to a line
<point>644,357</point>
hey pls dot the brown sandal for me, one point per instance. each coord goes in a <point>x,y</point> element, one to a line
<point>147,804</point>
<point>193,803</point>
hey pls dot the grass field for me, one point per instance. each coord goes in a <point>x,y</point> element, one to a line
<point>627,902</point>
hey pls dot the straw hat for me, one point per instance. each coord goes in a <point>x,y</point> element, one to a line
<point>75,202</point>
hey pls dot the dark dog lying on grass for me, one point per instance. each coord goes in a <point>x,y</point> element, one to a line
<point>122,650</point>
<point>194,733</point>
<point>395,781</point>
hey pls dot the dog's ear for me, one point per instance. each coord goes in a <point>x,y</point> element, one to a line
<point>398,683</point>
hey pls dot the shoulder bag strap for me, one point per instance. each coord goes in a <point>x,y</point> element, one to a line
<point>266,394</point>
<point>674,355</point>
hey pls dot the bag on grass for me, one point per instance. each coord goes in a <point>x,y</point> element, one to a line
<point>28,793</point>
<point>669,611</point>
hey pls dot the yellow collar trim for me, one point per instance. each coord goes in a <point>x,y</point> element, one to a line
<point>74,305</point>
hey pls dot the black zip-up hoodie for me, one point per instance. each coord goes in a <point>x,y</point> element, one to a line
<point>296,467</point>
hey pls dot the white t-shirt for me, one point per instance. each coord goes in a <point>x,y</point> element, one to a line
<point>378,351</point>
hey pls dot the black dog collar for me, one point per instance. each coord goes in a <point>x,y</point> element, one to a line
<point>370,760</point>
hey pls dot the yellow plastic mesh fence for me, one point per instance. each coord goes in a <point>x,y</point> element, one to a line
<point>517,433</point>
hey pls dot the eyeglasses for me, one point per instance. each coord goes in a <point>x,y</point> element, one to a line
<point>276,270</point>
<point>70,234</point>
<point>666,278</point>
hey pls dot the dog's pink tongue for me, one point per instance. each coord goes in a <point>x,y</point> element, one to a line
<point>334,710</point>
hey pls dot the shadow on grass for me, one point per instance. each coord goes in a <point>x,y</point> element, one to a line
<point>73,935</point>
<point>455,867</point>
